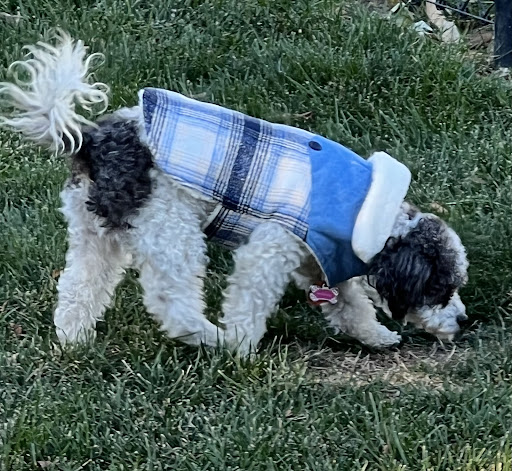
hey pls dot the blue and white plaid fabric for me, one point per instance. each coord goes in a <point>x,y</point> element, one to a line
<point>253,169</point>
<point>256,171</point>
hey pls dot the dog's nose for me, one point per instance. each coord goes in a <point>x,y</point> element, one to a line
<point>462,319</point>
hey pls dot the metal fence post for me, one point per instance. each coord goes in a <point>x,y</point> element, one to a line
<point>503,33</point>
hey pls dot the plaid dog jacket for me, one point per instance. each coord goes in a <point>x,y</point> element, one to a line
<point>256,171</point>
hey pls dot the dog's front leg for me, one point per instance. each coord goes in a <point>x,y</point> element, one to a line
<point>263,269</point>
<point>355,315</point>
<point>95,265</point>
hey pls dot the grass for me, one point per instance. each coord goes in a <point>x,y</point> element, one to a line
<point>138,401</point>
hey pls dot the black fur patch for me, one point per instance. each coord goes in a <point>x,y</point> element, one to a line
<point>417,270</point>
<point>118,165</point>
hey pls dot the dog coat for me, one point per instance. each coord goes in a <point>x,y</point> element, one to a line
<point>341,205</point>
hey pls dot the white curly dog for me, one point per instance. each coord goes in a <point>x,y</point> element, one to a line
<point>149,184</point>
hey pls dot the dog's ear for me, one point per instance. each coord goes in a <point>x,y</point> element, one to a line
<point>418,269</point>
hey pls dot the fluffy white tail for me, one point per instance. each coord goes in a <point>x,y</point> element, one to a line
<point>43,105</point>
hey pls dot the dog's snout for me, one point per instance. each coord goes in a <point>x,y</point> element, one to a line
<point>462,319</point>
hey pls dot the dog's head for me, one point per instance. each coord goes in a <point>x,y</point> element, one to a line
<point>419,272</point>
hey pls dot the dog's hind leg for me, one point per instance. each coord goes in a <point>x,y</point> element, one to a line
<point>263,270</point>
<point>95,264</point>
<point>170,251</point>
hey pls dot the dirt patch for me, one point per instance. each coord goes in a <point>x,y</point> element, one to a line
<point>411,365</point>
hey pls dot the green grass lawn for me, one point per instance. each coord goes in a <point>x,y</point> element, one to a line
<point>138,401</point>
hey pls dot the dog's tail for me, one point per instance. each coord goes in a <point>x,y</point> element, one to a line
<point>47,87</point>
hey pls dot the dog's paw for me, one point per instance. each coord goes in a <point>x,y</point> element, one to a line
<point>384,338</point>
<point>70,337</point>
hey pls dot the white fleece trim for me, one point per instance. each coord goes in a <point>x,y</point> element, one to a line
<point>390,182</point>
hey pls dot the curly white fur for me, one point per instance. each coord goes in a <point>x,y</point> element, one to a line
<point>45,103</point>
<point>95,263</point>
<point>263,270</point>
<point>355,315</point>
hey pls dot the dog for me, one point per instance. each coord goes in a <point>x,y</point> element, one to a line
<point>142,195</point>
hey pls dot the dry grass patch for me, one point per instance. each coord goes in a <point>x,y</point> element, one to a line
<point>413,365</point>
